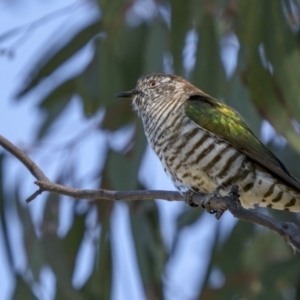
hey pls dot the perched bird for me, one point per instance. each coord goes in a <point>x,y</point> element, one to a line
<point>205,145</point>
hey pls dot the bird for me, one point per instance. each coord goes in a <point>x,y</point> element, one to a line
<point>206,147</point>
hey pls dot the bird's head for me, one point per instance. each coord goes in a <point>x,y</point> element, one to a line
<point>155,88</point>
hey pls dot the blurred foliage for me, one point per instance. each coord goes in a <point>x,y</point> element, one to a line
<point>250,263</point>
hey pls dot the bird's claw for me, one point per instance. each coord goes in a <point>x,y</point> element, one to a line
<point>188,198</point>
<point>205,203</point>
<point>207,199</point>
<point>234,192</point>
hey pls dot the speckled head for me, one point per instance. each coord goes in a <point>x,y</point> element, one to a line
<point>155,87</point>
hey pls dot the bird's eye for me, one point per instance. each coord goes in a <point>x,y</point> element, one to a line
<point>153,83</point>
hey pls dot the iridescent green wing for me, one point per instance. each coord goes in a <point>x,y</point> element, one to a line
<point>225,123</point>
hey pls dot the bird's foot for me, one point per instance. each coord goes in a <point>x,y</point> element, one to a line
<point>188,198</point>
<point>234,193</point>
<point>206,202</point>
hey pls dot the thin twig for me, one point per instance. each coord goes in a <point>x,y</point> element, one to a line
<point>34,195</point>
<point>290,232</point>
<point>111,195</point>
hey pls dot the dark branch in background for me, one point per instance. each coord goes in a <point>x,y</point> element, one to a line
<point>28,29</point>
<point>290,232</point>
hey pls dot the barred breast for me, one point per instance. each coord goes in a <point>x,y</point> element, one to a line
<point>198,160</point>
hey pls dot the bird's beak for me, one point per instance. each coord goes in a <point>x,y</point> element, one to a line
<point>128,94</point>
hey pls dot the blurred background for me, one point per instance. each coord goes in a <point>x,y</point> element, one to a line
<point>61,64</point>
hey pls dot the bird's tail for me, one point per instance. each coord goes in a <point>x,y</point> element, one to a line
<point>286,199</point>
<point>273,193</point>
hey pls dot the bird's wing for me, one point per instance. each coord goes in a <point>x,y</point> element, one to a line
<point>225,123</point>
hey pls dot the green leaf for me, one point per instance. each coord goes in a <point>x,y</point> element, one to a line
<point>281,276</point>
<point>155,47</point>
<point>113,12</point>
<point>115,67</point>
<point>181,22</point>
<point>99,285</point>
<point>98,83</point>
<point>187,218</point>
<point>122,169</point>
<point>22,290</point>
<point>209,74</point>
<point>236,244</point>
<point>52,60</point>
<point>270,92</point>
<point>228,258</point>
<point>121,63</point>
<point>74,238</point>
<point>55,251</point>
<point>260,254</point>
<point>4,207</point>
<point>54,104</point>
<point>150,250</point>
<point>239,98</point>
<point>286,59</point>
<point>289,157</point>
<point>32,244</point>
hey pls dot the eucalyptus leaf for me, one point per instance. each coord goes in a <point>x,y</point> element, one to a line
<point>150,250</point>
<point>32,244</point>
<point>54,104</point>
<point>22,290</point>
<point>74,239</point>
<point>99,285</point>
<point>209,74</point>
<point>4,208</point>
<point>155,47</point>
<point>50,61</point>
<point>268,73</point>
<point>180,24</point>
<point>122,169</point>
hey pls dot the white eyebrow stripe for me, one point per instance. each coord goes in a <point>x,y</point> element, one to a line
<point>165,79</point>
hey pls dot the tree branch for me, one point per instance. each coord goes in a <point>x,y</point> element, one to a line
<point>21,156</point>
<point>290,232</point>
